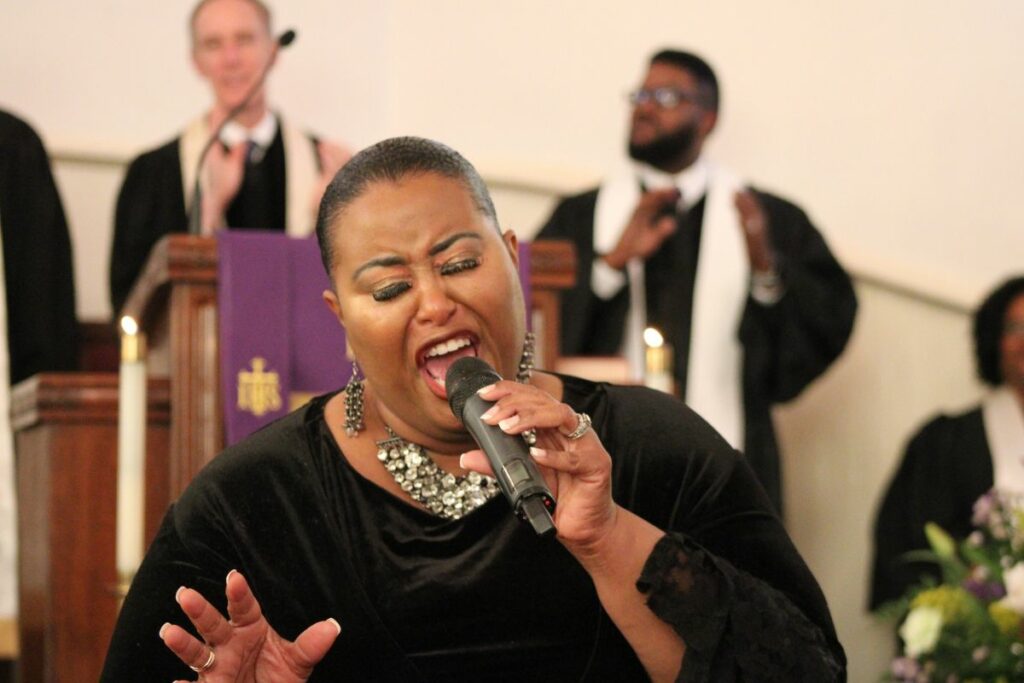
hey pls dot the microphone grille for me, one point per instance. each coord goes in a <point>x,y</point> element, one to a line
<point>464,378</point>
<point>286,38</point>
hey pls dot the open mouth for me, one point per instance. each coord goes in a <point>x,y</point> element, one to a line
<point>435,359</point>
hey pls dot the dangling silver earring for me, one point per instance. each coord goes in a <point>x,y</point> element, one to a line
<point>526,360</point>
<point>354,403</point>
<point>523,377</point>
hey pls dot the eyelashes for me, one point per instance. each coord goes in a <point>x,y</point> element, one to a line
<point>460,266</point>
<point>388,292</point>
<point>391,291</point>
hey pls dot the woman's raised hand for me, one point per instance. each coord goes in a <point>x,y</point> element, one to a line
<point>578,470</point>
<point>611,543</point>
<point>245,648</point>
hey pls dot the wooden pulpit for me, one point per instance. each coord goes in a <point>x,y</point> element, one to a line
<point>66,462</point>
<point>66,449</point>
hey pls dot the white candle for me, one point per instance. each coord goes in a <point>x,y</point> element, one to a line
<point>131,451</point>
<point>657,362</point>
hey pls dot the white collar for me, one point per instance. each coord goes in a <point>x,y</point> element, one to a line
<point>1003,417</point>
<point>262,133</point>
<point>692,181</point>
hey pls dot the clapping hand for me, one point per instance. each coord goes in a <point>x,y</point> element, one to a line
<point>652,222</point>
<point>246,648</point>
<point>754,221</point>
<point>220,180</point>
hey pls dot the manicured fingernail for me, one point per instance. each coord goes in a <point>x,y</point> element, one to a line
<point>162,629</point>
<point>462,460</point>
<point>228,577</point>
<point>336,624</point>
<point>508,423</point>
<point>489,413</point>
<point>484,390</point>
<point>538,452</point>
<point>177,594</point>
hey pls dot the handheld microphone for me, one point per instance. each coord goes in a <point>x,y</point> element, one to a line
<point>517,475</point>
<point>194,213</point>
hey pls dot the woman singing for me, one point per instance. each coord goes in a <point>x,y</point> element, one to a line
<point>362,540</point>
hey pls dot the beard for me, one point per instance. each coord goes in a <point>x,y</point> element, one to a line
<point>665,149</point>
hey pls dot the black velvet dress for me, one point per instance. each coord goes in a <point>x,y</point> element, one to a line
<point>420,598</point>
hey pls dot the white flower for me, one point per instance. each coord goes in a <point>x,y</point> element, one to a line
<point>920,632</point>
<point>1013,578</point>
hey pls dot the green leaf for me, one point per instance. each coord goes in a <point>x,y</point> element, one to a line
<point>953,570</point>
<point>941,542</point>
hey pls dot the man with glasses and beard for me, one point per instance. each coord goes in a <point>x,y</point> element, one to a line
<point>738,281</point>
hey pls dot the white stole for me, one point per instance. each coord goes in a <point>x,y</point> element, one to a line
<point>714,381</point>
<point>8,513</point>
<point>1003,417</point>
<point>301,172</point>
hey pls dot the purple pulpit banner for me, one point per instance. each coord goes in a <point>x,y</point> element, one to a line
<point>279,343</point>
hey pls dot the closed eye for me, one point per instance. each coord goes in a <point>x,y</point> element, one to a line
<point>389,292</point>
<point>453,267</point>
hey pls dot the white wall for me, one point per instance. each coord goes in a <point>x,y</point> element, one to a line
<point>843,437</point>
<point>894,124</point>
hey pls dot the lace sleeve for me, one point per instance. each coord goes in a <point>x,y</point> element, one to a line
<point>736,627</point>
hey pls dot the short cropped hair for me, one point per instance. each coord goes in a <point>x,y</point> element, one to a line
<point>701,71</point>
<point>392,160</point>
<point>989,321</point>
<point>261,7</point>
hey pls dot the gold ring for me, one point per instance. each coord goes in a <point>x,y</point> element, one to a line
<point>207,665</point>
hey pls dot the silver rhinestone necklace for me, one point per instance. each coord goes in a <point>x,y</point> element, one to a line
<point>443,493</point>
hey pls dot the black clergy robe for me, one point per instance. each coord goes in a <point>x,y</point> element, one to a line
<point>151,204</point>
<point>39,276</point>
<point>785,345</point>
<point>946,468</point>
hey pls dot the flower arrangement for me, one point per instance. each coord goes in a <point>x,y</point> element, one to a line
<point>969,627</point>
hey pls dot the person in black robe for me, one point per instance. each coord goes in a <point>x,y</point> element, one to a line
<point>262,174</point>
<point>668,563</point>
<point>42,328</point>
<point>801,305</point>
<point>948,463</point>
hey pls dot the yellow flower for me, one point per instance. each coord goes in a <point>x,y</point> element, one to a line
<point>953,602</point>
<point>1005,618</point>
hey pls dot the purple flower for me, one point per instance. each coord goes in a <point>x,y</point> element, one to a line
<point>905,668</point>
<point>983,509</point>
<point>986,591</point>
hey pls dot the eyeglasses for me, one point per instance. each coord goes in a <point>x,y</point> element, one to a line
<point>666,98</point>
